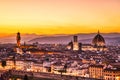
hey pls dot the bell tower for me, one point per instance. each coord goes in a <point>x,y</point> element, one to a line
<point>18,38</point>
<point>75,43</point>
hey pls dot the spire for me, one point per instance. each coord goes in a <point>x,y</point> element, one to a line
<point>98,32</point>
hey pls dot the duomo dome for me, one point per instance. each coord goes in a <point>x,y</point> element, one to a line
<point>98,40</point>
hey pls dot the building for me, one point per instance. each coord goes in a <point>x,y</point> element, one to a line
<point>106,73</point>
<point>98,42</point>
<point>74,45</point>
<point>47,66</point>
<point>21,48</point>
<point>96,71</point>
<point>70,45</point>
<point>87,61</point>
<point>18,38</point>
<point>111,74</point>
<point>17,48</point>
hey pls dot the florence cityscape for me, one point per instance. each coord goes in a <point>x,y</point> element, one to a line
<point>60,40</point>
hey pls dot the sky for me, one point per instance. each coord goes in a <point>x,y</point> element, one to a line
<point>59,16</point>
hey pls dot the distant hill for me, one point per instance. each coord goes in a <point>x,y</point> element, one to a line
<point>113,38</point>
<point>52,39</point>
<point>110,38</point>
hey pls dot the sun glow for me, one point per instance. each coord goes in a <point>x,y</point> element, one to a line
<point>59,16</point>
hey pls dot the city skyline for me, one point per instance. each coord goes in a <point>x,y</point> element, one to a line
<point>59,39</point>
<point>59,16</point>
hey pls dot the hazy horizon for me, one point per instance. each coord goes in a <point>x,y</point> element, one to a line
<point>58,38</point>
<point>14,34</point>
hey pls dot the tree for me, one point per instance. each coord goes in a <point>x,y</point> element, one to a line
<point>3,63</point>
<point>62,71</point>
<point>65,68</point>
<point>14,61</point>
<point>25,77</point>
<point>13,78</point>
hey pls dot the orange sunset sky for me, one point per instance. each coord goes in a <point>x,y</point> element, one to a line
<point>59,16</point>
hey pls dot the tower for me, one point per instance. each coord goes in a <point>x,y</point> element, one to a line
<point>75,43</point>
<point>75,38</point>
<point>18,38</point>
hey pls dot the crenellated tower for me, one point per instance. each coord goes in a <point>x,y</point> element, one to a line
<point>18,38</point>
